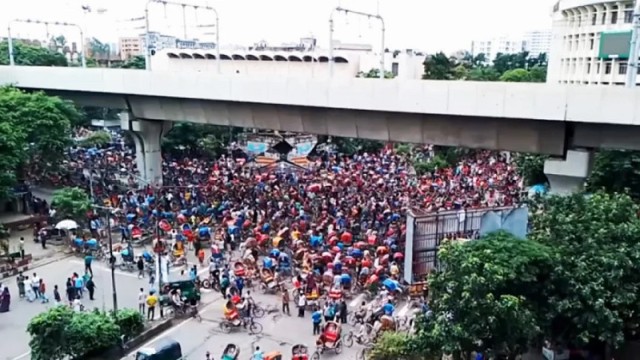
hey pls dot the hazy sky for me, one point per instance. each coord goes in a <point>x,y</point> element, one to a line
<point>428,25</point>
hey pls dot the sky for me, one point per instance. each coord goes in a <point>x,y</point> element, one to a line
<point>428,25</point>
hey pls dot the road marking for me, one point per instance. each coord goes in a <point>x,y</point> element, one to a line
<point>120,272</point>
<point>170,330</point>
<point>22,356</point>
<point>358,299</point>
<point>404,310</point>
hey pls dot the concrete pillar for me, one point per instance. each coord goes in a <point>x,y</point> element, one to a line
<point>569,175</point>
<point>147,136</point>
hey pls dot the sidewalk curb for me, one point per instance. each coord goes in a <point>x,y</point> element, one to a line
<point>34,265</point>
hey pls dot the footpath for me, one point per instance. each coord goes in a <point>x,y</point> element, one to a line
<point>39,256</point>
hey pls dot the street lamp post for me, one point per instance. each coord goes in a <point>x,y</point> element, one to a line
<point>112,260</point>
<point>359,13</point>
<point>184,6</point>
<point>46,24</point>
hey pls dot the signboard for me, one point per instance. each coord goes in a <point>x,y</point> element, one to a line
<point>255,148</point>
<point>615,44</point>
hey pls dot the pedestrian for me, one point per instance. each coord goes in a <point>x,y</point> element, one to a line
<point>78,284</point>
<point>152,301</point>
<point>56,295</point>
<point>91,287</point>
<point>71,291</point>
<point>142,297</point>
<point>20,282</point>
<point>342,310</point>
<point>43,292</point>
<point>240,284</point>
<point>285,302</point>
<point>21,247</point>
<point>328,312</point>
<point>88,259</point>
<point>35,285</point>
<point>140,264</point>
<point>224,285</point>
<point>316,318</point>
<point>302,302</point>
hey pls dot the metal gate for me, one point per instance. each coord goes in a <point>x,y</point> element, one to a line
<point>425,232</point>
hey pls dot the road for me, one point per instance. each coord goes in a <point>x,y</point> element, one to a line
<point>280,332</point>
<point>14,340</point>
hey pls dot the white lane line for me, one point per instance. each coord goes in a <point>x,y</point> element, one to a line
<point>357,300</point>
<point>403,312</point>
<point>171,330</point>
<point>22,356</point>
<point>119,272</point>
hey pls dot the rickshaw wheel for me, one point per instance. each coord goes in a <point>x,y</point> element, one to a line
<point>225,327</point>
<point>255,328</point>
<point>206,284</point>
<point>315,356</point>
<point>258,312</point>
<point>348,339</point>
<point>338,347</point>
<point>351,319</point>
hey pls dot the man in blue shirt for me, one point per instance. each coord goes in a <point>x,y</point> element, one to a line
<point>388,308</point>
<point>87,263</point>
<point>316,318</point>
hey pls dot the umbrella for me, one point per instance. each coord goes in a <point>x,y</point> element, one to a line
<point>67,225</point>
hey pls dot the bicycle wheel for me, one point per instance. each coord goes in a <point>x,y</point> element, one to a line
<point>255,328</point>
<point>225,327</point>
<point>338,347</point>
<point>348,339</point>
<point>351,319</point>
<point>316,355</point>
<point>258,312</point>
<point>206,284</point>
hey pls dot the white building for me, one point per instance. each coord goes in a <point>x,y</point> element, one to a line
<point>498,45</point>
<point>310,64</point>
<point>591,41</point>
<point>537,42</point>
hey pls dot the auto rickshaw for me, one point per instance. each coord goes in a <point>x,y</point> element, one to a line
<point>268,282</point>
<point>166,349</point>
<point>187,288</point>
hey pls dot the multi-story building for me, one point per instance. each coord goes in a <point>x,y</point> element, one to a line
<point>537,42</point>
<point>498,45</point>
<point>130,47</point>
<point>591,42</point>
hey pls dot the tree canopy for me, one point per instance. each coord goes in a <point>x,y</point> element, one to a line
<point>34,55</point>
<point>33,126</point>
<point>575,280</point>
<point>71,203</point>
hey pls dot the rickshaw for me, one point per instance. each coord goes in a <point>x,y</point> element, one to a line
<point>417,290</point>
<point>299,352</point>
<point>273,355</point>
<point>231,352</point>
<point>330,339</point>
<point>188,289</point>
<point>166,349</point>
<point>239,269</point>
<point>268,282</point>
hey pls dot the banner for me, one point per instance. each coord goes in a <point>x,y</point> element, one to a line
<point>255,148</point>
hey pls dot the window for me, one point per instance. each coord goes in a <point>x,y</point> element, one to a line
<point>594,19</point>
<point>604,18</point>
<point>598,68</point>
<point>622,69</point>
<point>394,69</point>
<point>607,68</point>
<point>589,68</point>
<point>591,43</point>
<point>628,16</point>
<point>614,17</point>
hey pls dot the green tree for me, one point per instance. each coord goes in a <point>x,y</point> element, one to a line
<point>531,168</point>
<point>439,67</point>
<point>136,62</point>
<point>25,54</point>
<point>505,62</point>
<point>616,171</point>
<point>374,74</point>
<point>538,73</point>
<point>72,203</point>
<point>97,138</point>
<point>483,74</point>
<point>490,295</point>
<point>61,333</point>
<point>430,166</point>
<point>395,346</point>
<point>596,300</point>
<point>350,146</point>
<point>516,75</point>
<point>198,139</point>
<point>13,146</point>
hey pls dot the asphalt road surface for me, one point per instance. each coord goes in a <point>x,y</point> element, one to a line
<point>14,340</point>
<point>280,332</point>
